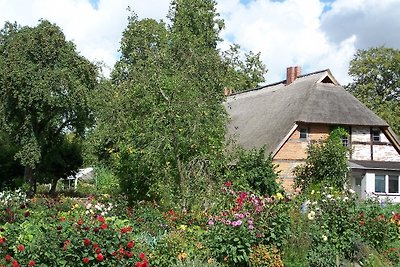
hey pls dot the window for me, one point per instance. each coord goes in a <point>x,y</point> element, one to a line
<point>376,135</point>
<point>303,133</point>
<point>387,184</point>
<point>345,141</point>
<point>380,184</point>
<point>393,184</point>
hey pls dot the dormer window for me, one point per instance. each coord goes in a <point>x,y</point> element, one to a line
<point>303,133</point>
<point>376,135</point>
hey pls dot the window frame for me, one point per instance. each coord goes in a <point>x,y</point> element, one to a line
<point>386,180</point>
<point>303,130</point>
<point>376,133</point>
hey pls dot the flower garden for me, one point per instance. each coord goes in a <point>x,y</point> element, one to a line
<point>323,227</point>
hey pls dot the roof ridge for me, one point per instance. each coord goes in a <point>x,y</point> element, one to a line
<point>276,83</point>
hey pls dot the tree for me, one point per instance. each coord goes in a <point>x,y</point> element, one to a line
<point>44,89</point>
<point>376,82</point>
<point>168,124</point>
<point>326,163</point>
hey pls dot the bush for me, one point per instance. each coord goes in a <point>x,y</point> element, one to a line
<point>253,172</point>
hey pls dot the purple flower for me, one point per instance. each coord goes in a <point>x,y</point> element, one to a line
<point>251,227</point>
<point>250,222</point>
<point>240,215</point>
<point>236,223</point>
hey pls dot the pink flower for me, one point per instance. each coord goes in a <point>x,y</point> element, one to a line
<point>210,222</point>
<point>240,215</point>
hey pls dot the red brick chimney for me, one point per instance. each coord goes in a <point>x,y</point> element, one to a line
<point>292,73</point>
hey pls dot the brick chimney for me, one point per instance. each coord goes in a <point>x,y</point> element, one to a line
<point>292,73</point>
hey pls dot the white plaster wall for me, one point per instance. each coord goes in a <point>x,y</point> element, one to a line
<point>361,152</point>
<point>384,138</point>
<point>369,182</point>
<point>360,134</point>
<point>385,153</point>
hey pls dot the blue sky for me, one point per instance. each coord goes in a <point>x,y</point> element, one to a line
<point>314,34</point>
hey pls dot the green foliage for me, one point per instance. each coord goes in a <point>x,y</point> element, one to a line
<point>163,126</point>
<point>252,171</point>
<point>376,82</point>
<point>243,74</point>
<point>106,181</point>
<point>326,163</point>
<point>44,89</point>
<point>10,170</point>
<point>61,160</point>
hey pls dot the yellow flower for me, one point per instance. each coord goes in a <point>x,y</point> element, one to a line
<point>183,227</point>
<point>311,215</point>
<point>279,196</point>
<point>182,256</point>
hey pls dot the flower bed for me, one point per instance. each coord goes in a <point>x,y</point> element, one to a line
<point>240,229</point>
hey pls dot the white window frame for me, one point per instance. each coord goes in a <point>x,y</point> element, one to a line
<point>376,133</point>
<point>386,180</point>
<point>301,130</point>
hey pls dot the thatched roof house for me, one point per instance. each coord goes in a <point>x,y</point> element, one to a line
<point>285,116</point>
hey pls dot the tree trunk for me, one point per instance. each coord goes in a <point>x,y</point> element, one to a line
<point>53,187</point>
<point>28,178</point>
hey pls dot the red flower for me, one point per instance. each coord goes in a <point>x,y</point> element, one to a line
<point>80,222</point>
<point>130,244</point>
<point>21,247</point>
<point>31,263</point>
<point>86,241</point>
<point>121,250</point>
<point>142,256</point>
<point>362,222</point>
<point>62,219</point>
<point>101,219</point>
<point>97,250</point>
<point>103,226</point>
<point>8,257</point>
<point>129,254</point>
<point>86,260</point>
<point>100,257</point>
<point>2,240</point>
<point>114,253</point>
<point>15,263</point>
<point>228,183</point>
<point>66,244</point>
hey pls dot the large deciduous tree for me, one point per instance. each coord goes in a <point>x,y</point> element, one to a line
<point>376,82</point>
<point>44,89</point>
<point>167,123</point>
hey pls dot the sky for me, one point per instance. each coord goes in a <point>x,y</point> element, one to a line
<point>312,34</point>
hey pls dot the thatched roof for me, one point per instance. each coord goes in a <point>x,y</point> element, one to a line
<point>266,115</point>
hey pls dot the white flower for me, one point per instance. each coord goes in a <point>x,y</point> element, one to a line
<point>351,191</point>
<point>312,192</point>
<point>311,215</point>
<point>88,206</point>
<point>345,199</point>
<point>329,196</point>
<point>324,238</point>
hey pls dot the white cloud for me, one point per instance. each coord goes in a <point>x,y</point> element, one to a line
<point>96,32</point>
<point>287,33</point>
